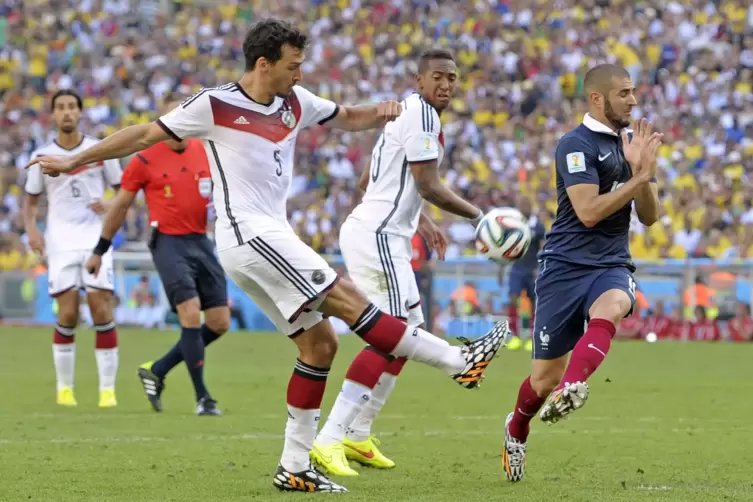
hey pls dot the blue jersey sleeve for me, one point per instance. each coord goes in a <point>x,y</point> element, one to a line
<point>575,162</point>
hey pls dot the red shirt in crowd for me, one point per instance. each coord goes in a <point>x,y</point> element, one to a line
<point>177,186</point>
<point>741,329</point>
<point>663,326</point>
<point>421,252</point>
<point>701,330</point>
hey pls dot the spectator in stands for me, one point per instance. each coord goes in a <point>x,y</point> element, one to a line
<point>631,327</point>
<point>701,328</point>
<point>465,299</point>
<point>659,323</point>
<point>740,327</point>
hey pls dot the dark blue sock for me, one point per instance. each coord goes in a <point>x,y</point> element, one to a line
<point>207,335</point>
<point>174,356</point>
<point>192,347</point>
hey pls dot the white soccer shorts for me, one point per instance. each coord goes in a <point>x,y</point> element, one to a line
<point>67,270</point>
<point>284,277</point>
<point>379,266</point>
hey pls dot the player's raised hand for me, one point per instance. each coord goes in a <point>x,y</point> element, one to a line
<point>632,147</point>
<point>53,165</point>
<point>389,110</point>
<point>93,265</point>
<point>36,240</point>
<point>648,156</point>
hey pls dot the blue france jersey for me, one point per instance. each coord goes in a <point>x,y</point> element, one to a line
<point>591,154</point>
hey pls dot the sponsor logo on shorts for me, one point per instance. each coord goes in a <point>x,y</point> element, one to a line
<point>317,277</point>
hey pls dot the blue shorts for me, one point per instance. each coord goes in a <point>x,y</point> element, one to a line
<point>521,281</point>
<point>564,295</point>
<point>188,268</point>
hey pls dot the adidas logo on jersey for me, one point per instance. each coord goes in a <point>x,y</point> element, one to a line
<point>241,120</point>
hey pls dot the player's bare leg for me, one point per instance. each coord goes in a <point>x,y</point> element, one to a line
<point>64,345</point>
<point>106,346</point>
<point>590,351</point>
<point>317,347</point>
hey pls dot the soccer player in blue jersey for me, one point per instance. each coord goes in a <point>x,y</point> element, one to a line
<point>523,272</point>
<point>586,268</point>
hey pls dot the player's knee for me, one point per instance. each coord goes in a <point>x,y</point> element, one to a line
<point>189,313</point>
<point>318,345</point>
<point>219,323</point>
<point>345,302</point>
<point>612,306</point>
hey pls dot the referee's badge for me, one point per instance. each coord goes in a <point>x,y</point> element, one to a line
<point>205,187</point>
<point>288,118</point>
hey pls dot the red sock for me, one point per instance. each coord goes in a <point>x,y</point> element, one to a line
<point>367,367</point>
<point>107,336</point>
<point>396,366</point>
<point>380,330</point>
<point>589,352</point>
<point>513,310</point>
<point>528,404</point>
<point>306,386</point>
<point>63,335</point>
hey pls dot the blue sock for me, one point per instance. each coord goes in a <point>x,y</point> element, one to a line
<point>192,347</point>
<point>207,335</point>
<point>174,356</point>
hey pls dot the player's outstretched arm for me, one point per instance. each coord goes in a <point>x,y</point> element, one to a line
<point>121,144</point>
<point>431,188</point>
<point>364,117</point>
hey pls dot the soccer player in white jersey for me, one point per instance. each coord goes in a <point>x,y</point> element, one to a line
<point>376,245</point>
<point>249,130</point>
<point>75,208</point>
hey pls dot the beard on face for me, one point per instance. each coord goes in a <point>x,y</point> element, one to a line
<point>612,116</point>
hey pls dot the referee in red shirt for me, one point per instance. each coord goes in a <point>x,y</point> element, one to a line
<point>177,184</point>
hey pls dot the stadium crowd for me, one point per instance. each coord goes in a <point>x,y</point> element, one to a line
<point>521,63</point>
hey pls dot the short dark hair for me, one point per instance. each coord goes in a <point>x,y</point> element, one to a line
<point>599,78</point>
<point>66,92</point>
<point>431,54</point>
<point>265,40</point>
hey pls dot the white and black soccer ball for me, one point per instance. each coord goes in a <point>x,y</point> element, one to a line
<point>503,235</point>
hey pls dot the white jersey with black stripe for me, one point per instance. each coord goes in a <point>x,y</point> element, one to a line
<point>251,148</point>
<point>392,204</point>
<point>71,224</point>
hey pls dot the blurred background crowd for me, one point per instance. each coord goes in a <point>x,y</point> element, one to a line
<point>521,86</point>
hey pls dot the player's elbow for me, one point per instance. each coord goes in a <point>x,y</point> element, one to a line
<point>648,219</point>
<point>589,219</point>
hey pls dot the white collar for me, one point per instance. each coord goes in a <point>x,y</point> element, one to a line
<point>597,126</point>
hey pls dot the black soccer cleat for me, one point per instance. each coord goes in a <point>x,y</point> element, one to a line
<point>153,386</point>
<point>207,407</point>
<point>309,480</point>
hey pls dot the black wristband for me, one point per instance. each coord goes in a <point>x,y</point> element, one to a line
<point>102,246</point>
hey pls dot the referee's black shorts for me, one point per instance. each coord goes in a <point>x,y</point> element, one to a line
<point>188,268</point>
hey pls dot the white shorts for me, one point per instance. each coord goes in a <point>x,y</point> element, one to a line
<point>284,277</point>
<point>67,270</point>
<point>379,265</point>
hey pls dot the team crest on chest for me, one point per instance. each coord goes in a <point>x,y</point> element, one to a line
<point>288,118</point>
<point>168,192</point>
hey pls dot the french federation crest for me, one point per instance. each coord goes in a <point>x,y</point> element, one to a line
<point>288,118</point>
<point>205,187</point>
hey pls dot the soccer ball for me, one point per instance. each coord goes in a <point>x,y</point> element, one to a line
<point>503,235</point>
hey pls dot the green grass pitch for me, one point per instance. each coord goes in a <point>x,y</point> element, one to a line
<point>664,422</point>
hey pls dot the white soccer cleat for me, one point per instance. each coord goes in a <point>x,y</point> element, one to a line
<point>564,401</point>
<point>513,455</point>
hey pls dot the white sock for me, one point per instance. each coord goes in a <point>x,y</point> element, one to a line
<point>360,429</point>
<point>422,346</point>
<point>107,366</point>
<point>64,356</point>
<point>300,432</point>
<point>349,403</point>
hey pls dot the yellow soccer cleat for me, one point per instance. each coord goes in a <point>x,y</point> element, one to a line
<point>366,453</point>
<point>514,344</point>
<point>332,459</point>
<point>529,345</point>
<point>66,397</point>
<point>107,399</point>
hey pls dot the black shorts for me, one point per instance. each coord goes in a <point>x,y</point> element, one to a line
<point>188,268</point>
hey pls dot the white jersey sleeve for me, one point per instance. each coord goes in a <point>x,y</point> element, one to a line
<point>193,118</point>
<point>34,179</point>
<point>420,133</point>
<point>112,172</point>
<point>314,110</point>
